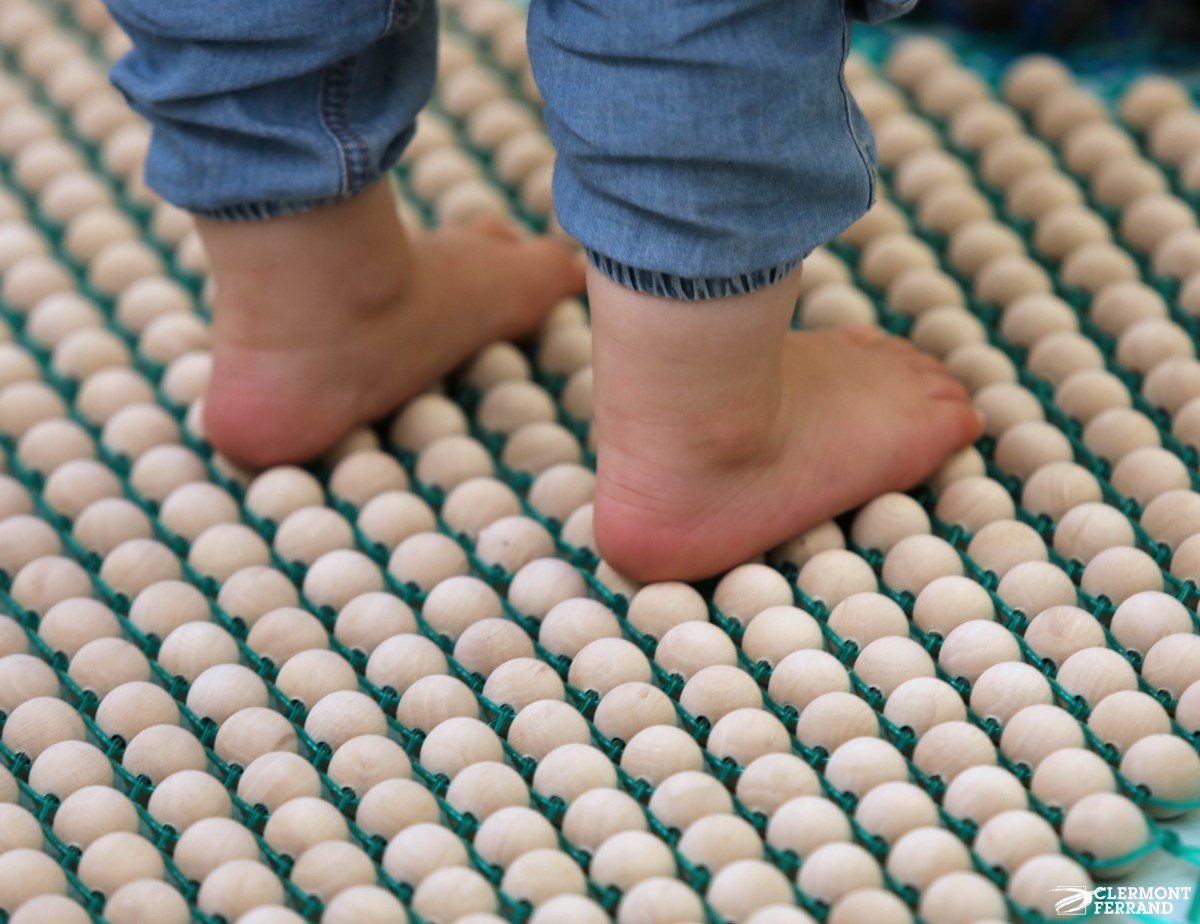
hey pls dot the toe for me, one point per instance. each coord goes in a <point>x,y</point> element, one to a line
<point>496,226</point>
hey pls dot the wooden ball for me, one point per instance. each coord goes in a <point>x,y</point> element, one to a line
<point>900,135</point>
<point>1126,716</point>
<point>805,675</point>
<point>161,469</point>
<point>26,874</point>
<point>50,443</point>
<point>979,793</point>
<point>310,532</point>
<point>133,707</point>
<point>715,691</point>
<point>912,58</point>
<point>129,904</point>
<point>420,850</point>
<point>430,700</point>
<point>1168,767</point>
<point>392,806</point>
<point>945,897</point>
<point>1029,78</point>
<point>512,542</point>
<point>370,618</point>
<point>885,257</point>
<point>1004,689</point>
<point>106,663</point>
<point>22,404</point>
<point>1094,673</point>
<point>659,898</point>
<point>657,609</point>
<point>427,559</point>
<point>1058,632</point>
<point>1037,731</point>
<point>832,719</point>
<point>160,751</point>
<point>135,564</point>
<point>572,769</point>
<point>949,748</point>
<point>509,832</point>
<point>485,645</point>
<point>1172,383</point>
<point>252,733</point>
<point>187,796</point>
<point>342,715</point>
<point>1034,882</point>
<point>888,662</point>
<point>52,909</point>
<point>19,829</point>
<point>1106,826</point>
<point>457,743</point>
<point>747,886</point>
<point>974,646</point>
<point>363,475</point>
<point>574,623</point>
<point>194,647</point>
<point>835,304</point>
<point>1148,219</point>
<point>115,859</point>
<point>747,590</point>
<point>484,788</point>
<point>223,689</point>
<point>70,624</point>
<point>600,814</point>
<point>718,840</point>
<point>223,549</point>
<point>448,461</point>
<point>833,575</point>
<point>778,631</point>
<point>278,777</point>
<point>746,734</point>
<point>1146,473</point>
<point>1004,544</point>
<point>477,503</point>
<point>1119,573</point>
<point>23,678</point>
<point>92,812</point>
<point>312,675</point>
<point>361,762</point>
<point>449,894</point>
<point>1066,776</point>
<point>628,857</point>
<point>1089,528</point>
<point>522,681</point>
<point>836,869</point>
<point>458,602</point>
<point>330,867</point>
<point>192,508</point>
<point>339,576</point>
<point>947,602</point>
<point>916,561</point>
<point>607,663</point>
<point>864,617</point>
<point>560,490</point>
<point>543,874</point>
<point>858,766</point>
<point>1026,447</point>
<point>389,518</point>
<point>769,781</point>
<point>138,428</point>
<point>923,702</point>
<point>805,823</point>
<point>238,886</point>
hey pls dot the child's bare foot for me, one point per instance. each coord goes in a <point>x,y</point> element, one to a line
<point>331,318</point>
<point>720,434</point>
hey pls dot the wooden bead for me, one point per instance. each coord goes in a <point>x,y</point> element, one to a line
<point>628,857</point>
<point>744,735</point>
<point>449,894</point>
<point>1004,544</point>
<point>923,702</point>
<point>1168,767</point>
<point>192,508</point>
<point>67,766</point>
<point>421,849</point>
<point>19,829</point>
<point>223,689</point>
<point>512,542</point>
<point>159,751</point>
<point>1055,488</point>
<point>458,602</point>
<point>393,516</point>
<point>832,719</point>
<point>311,676</point>
<point>1126,716</point>
<point>570,770</point>
<point>797,552</point>
<point>769,781</point>
<point>945,896</point>
<point>539,585</point>
<point>980,793</point>
<point>949,748</point>
<point>310,532</point>
<point>391,806</point>
<point>1088,529</point>
<point>194,647</point>
<point>1026,447</point>
<point>457,743</point>
<point>836,869</point>
<point>888,662</point>
<point>366,474</point>
<point>543,725</point>
<point>916,561</point>
<point>1066,776</point>
<point>692,646</point>
<point>718,840</point>
<point>484,788</point>
<point>370,618</point>
<point>278,777</point>
<point>477,503</point>
<point>24,677</point>
<point>238,886</point>
<point>1115,433</point>
<point>1106,826</point>
<point>330,867</point>
<point>1119,573</point>
<point>606,663</point>
<point>118,858</point>
<point>574,623</point>
<point>778,631</point>
<point>975,243</point>
<point>128,904</point>
<point>659,898</point>
<point>1033,882</point>
<point>864,617</point>
<point>187,796</point>
<point>947,602</point>
<point>522,681</point>
<point>432,699</point>
<point>448,461</point>
<point>1037,731</point>
<point>92,812</point>
<point>599,814</point>
<point>859,765</point>
<point>25,874</point>
<point>541,875</point>
<point>136,564</point>
<point>342,715</point>
<point>51,443</point>
<point>973,503</point>
<point>133,707</point>
<point>338,577</point>
<point>833,575</point>
<point>106,663</point>
<point>974,646</point>
<point>509,832</point>
<point>24,539</point>
<point>746,886</point>
<point>283,633</point>
<point>1094,673</point>
<point>51,909</point>
<point>361,762</point>
<point>713,692</point>
<point>1006,688</point>
<point>252,733</point>
<point>223,549</point>
<point>805,675</point>
<point>835,304</point>
<point>804,823</point>
<point>747,590</point>
<point>1058,632</point>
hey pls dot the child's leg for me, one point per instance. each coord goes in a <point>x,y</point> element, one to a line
<point>274,123</point>
<point>703,148</point>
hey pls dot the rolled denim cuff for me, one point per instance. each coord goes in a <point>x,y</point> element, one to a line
<point>689,289</point>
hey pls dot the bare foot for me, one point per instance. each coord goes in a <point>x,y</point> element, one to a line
<point>332,318</point>
<point>721,435</point>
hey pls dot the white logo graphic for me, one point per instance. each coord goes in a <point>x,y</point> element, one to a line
<point>1131,900</point>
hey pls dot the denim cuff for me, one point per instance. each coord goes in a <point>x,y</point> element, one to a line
<point>261,211</point>
<point>689,289</point>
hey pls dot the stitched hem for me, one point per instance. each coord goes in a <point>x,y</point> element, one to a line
<point>261,211</point>
<point>689,289</point>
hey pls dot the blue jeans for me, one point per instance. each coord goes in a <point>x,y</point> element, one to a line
<point>704,146</point>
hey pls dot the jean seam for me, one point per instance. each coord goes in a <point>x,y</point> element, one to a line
<point>335,97</point>
<point>846,108</point>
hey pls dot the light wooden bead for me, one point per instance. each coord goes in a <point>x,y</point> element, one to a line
<point>574,623</point>
<point>833,575</point>
<point>485,787</point>
<point>778,631</point>
<point>659,899</point>
<point>283,633</point>
<point>477,503</point>
<point>974,646</point>
<point>541,584</point>
<point>1004,689</point>
<point>714,692</point>
<point>223,549</point>
<point>339,576</point>
<point>578,532</point>
<point>133,707</point>
<point>391,806</point>
<point>1168,767</point>
<point>370,618</point>
<point>865,617</point>
<point>944,899</point>
<point>1087,529</point>
<point>22,404</point>
<point>344,714</point>
<point>54,909</point>
<point>1032,317</point>
<point>509,832</point>
<point>836,869</point>
<point>1004,544</point>
<point>512,542</point>
<point>364,905</point>
<point>1058,632</point>
<point>23,678</point>
<point>747,886</point>
<point>363,475</point>
<point>13,639</point>
<point>282,490</point>
<point>136,564</point>
<point>947,602</point>
<point>1037,731</point>
<point>747,590</point>
<point>628,857</point>
<point>194,647</point>
<point>901,134</point>
<point>161,469</point>
<point>187,796</point>
<point>164,606</point>
<point>238,886</point>
<point>746,734</point>
<point>420,850</point>
<point>888,662</point>
<point>980,793</point>
<point>1173,663</point>
<point>836,304</point>
<point>310,676</point>
<point>607,663</point>
<point>1119,573</point>
<point>1172,383</point>
<point>539,876</point>
<point>1026,447</point>
<point>394,516</point>
<point>1146,473</point>
<point>50,443</point>
<point>1034,882</point>
<point>89,813</point>
<point>432,699</point>
<point>1067,776</point>
<point>137,428</point>
<point>67,766</point>
<point>192,508</point>
<point>1148,219</point>
<point>718,840</point>
<point>24,539</point>
<point>538,446</point>
<point>252,733</point>
<point>458,602</point>
<point>1094,673</point>
<point>447,895</point>
<point>1126,716</point>
<point>1106,826</point>
<point>658,608</point>
<point>162,750</point>
<point>26,874</point>
<point>949,748</point>
<point>522,681</point>
<point>600,814</point>
<point>72,623</point>
<point>330,867</point>
<point>832,719</point>
<point>277,777</point>
<point>887,256</point>
<point>457,743</point>
<point>448,461</point>
<point>570,770</point>
<point>923,702</point>
<point>858,766</point>
<point>805,675</point>
<point>118,858</point>
<point>1004,405</point>
<point>915,561</point>
<point>132,904</point>
<point>427,559</point>
<point>223,689</point>
<point>543,725</point>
